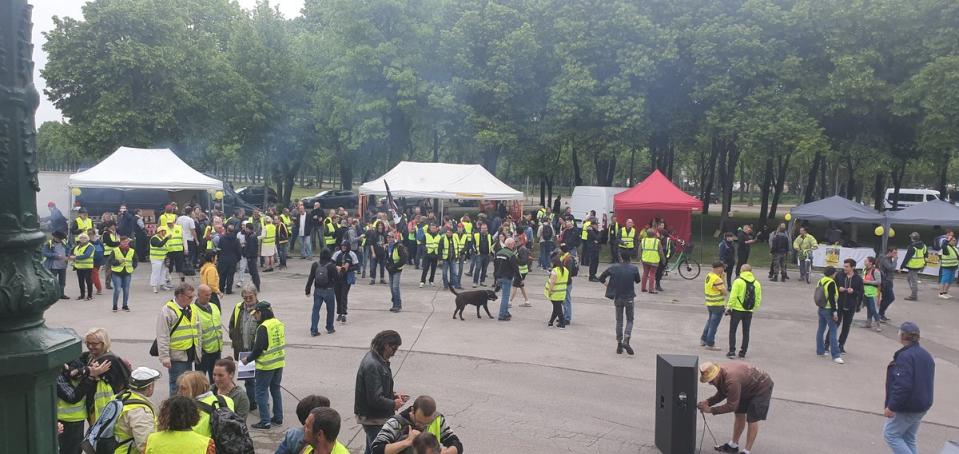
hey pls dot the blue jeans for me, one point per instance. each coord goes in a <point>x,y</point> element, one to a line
<point>281,249</point>
<point>545,250</point>
<point>178,368</point>
<point>900,432</point>
<point>505,286</point>
<point>269,380</point>
<point>451,273</point>
<point>371,432</point>
<point>459,271</point>
<point>712,324</point>
<point>395,290</point>
<point>568,302</point>
<point>871,312</point>
<point>826,321</point>
<point>306,247</point>
<point>481,263</point>
<point>121,283</point>
<point>321,295</point>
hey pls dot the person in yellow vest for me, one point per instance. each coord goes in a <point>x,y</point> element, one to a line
<point>74,383</point>
<point>270,356</point>
<point>211,331</point>
<point>555,290</point>
<point>81,225</point>
<point>585,257</point>
<point>432,253</point>
<point>123,261</point>
<point>320,430</point>
<point>82,258</point>
<point>914,262</point>
<point>137,420</point>
<point>178,334</point>
<point>449,252</point>
<point>626,239</point>
<point>267,238</point>
<point>168,216</point>
<point>948,261</point>
<point>652,251</point>
<point>196,386</point>
<point>744,299</point>
<point>283,234</point>
<point>158,268</point>
<point>110,241</point>
<point>329,232</point>
<point>463,240</point>
<point>398,433</point>
<point>176,260</point>
<point>715,290</point>
<point>611,239</point>
<point>175,433</point>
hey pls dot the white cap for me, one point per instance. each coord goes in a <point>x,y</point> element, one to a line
<point>142,377</point>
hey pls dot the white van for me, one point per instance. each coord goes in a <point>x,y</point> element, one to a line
<point>909,197</point>
<point>599,198</point>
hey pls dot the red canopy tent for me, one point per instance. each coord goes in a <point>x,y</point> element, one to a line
<point>657,197</point>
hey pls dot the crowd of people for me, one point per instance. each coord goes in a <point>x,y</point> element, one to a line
<point>231,251</point>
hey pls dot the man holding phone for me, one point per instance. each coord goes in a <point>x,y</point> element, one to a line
<point>375,402</point>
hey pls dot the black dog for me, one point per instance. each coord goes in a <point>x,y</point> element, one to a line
<point>477,298</point>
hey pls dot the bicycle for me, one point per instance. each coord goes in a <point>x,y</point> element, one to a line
<point>687,266</point>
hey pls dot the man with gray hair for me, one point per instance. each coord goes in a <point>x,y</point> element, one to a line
<point>909,390</point>
<point>505,268</point>
<point>178,334</point>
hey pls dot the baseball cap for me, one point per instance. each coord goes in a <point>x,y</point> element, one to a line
<point>707,372</point>
<point>262,305</point>
<point>909,328</point>
<point>141,377</point>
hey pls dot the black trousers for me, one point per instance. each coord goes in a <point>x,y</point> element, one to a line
<point>735,317</point>
<point>741,259</point>
<point>845,321</point>
<point>251,267</point>
<point>71,437</point>
<point>226,268</point>
<point>207,361</point>
<point>887,298</point>
<point>593,252</point>
<point>85,280</point>
<point>557,313</point>
<point>429,264</point>
<point>729,274</point>
<point>659,273</point>
<point>341,290</point>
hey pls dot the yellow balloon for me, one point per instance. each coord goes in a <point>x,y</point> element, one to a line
<point>892,232</point>
<point>879,231</point>
<point>788,216</point>
<point>75,191</point>
<point>218,195</point>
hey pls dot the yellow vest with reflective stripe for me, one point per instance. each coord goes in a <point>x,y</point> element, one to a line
<point>559,288</point>
<point>184,336</point>
<point>396,257</point>
<point>131,401</point>
<point>175,243</point>
<point>432,242</point>
<point>951,260</point>
<point>269,234</point>
<point>330,231</point>
<point>108,250</point>
<point>627,238</point>
<point>287,221</point>
<point>157,253</point>
<point>650,247</point>
<point>101,397</point>
<point>918,259</point>
<point>835,293</point>
<point>274,357</point>
<point>436,428</point>
<point>714,296</point>
<point>585,232</point>
<point>177,442</point>
<point>450,249</point>
<point>209,243</point>
<point>120,256</point>
<point>468,228</point>
<point>338,448</point>
<point>67,412</point>
<point>461,240</point>
<point>203,427</point>
<point>212,340</point>
<point>476,241</point>
<point>82,264</point>
<point>165,219</point>
<point>83,226</point>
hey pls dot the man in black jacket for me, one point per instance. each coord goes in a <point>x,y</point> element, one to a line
<point>779,249</point>
<point>322,275</point>
<point>396,257</point>
<point>592,250</point>
<point>227,258</point>
<point>505,269</point>
<point>850,298</point>
<point>251,252</point>
<point>375,401</point>
<point>622,290</point>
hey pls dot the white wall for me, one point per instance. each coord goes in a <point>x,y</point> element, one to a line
<point>53,187</point>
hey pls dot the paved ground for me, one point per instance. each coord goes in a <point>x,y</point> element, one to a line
<point>522,387</point>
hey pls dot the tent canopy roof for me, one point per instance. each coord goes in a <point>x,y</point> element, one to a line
<point>142,168</point>
<point>934,212</point>
<point>656,192</point>
<point>441,181</point>
<point>837,209</point>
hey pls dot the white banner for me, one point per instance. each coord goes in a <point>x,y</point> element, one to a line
<point>833,256</point>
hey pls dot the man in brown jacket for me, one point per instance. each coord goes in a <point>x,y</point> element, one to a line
<point>746,390</point>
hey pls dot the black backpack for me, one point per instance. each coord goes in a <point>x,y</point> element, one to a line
<point>749,297</point>
<point>547,232</point>
<point>322,277</point>
<point>228,430</point>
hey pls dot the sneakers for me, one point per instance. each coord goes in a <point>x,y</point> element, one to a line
<point>629,350</point>
<point>910,298</point>
<point>154,289</point>
<point>727,447</point>
<point>838,361</point>
<point>943,296</point>
<point>421,284</point>
<point>526,304</point>
<point>731,355</point>
<point>395,309</point>
<point>126,309</point>
<point>619,348</point>
<point>382,281</point>
<point>261,425</point>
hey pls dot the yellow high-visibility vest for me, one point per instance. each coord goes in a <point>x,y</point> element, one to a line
<point>126,260</point>
<point>176,441</point>
<point>82,264</point>
<point>157,253</point>
<point>274,357</point>
<point>627,237</point>
<point>185,335</point>
<point>432,242</point>
<point>210,325</point>
<point>108,250</point>
<point>83,226</point>
<point>269,234</point>
<point>203,427</point>
<point>559,288</point>
<point>67,412</point>
<point>175,242</point>
<point>650,250</point>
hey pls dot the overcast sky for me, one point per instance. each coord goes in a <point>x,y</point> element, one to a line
<point>43,12</point>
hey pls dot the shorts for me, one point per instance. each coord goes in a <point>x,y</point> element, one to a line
<point>176,261</point>
<point>518,282</point>
<point>947,275</point>
<point>755,407</point>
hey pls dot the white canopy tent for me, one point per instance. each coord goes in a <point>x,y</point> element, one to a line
<point>141,168</point>
<point>434,180</point>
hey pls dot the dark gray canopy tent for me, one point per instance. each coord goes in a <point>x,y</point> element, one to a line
<point>838,209</point>
<point>935,212</point>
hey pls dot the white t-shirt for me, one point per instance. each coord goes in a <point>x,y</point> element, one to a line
<point>188,226</point>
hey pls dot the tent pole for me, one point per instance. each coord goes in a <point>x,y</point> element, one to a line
<point>885,236</point>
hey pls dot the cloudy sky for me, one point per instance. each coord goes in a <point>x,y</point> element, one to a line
<point>43,12</point>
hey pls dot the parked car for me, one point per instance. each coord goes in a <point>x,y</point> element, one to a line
<point>334,199</point>
<point>254,195</point>
<point>231,200</point>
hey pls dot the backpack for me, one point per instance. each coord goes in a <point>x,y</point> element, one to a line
<point>322,277</point>
<point>573,267</point>
<point>228,430</point>
<point>749,297</point>
<point>819,296</point>
<point>547,232</point>
<point>100,438</point>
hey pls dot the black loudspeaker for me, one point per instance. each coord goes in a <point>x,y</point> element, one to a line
<point>676,385</point>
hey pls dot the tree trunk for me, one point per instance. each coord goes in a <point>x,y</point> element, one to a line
<point>878,191</point>
<point>491,158</point>
<point>577,178</point>
<point>731,156</point>
<point>632,162</point>
<point>436,146</point>
<point>850,178</point>
<point>605,170</point>
<point>823,183</point>
<point>943,167</point>
<point>897,173</point>
<point>542,189</point>
<point>810,189</point>
<point>346,169</point>
<point>764,204</point>
<point>549,192</point>
<point>780,184</point>
<point>709,175</point>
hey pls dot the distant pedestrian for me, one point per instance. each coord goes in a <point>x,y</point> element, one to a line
<point>505,269</point>
<point>555,291</point>
<point>828,305</point>
<point>744,299</point>
<point>177,334</point>
<point>779,249</point>
<point>887,266</point>
<point>715,291</point>
<point>727,255</point>
<point>914,262</point>
<point>850,299</point>
<point>251,252</point>
<point>652,253</point>
<point>591,249</point>
<point>910,379</point>
<point>121,265</point>
<point>346,262</point>
<point>55,259</point>
<point>322,277</point>
<point>396,256</point>
<point>523,261</point>
<point>375,401</point>
<point>744,240</point>
<point>228,258</point>
<point>82,258</point>
<point>948,262</point>
<point>626,239</point>
<point>483,252</point>
<point>623,277</point>
<point>804,244</point>
<point>871,281</point>
<point>210,332</point>
<point>242,330</point>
